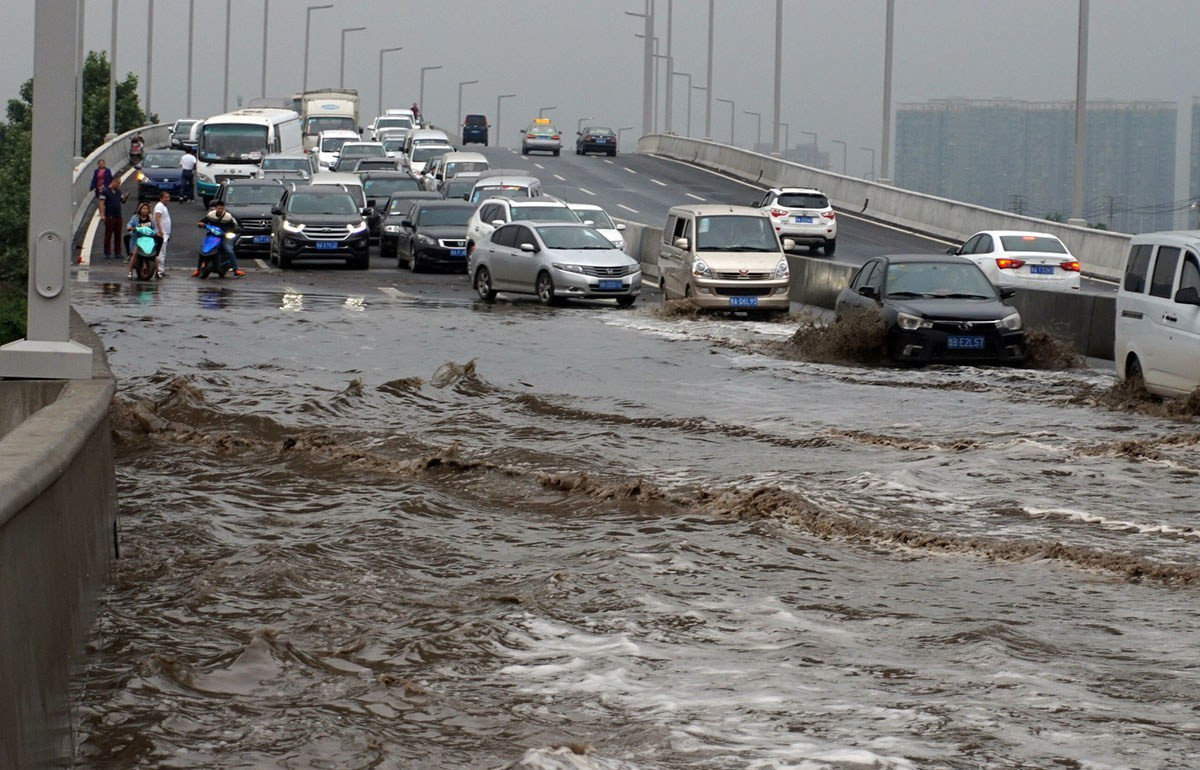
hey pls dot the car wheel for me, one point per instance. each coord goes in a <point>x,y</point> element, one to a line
<point>524,150</point>
<point>1134,376</point>
<point>285,260</point>
<point>361,263</point>
<point>483,285</point>
<point>414,262</point>
<point>612,153</point>
<point>625,301</point>
<point>830,247</point>
<point>556,153</point>
<point>544,288</point>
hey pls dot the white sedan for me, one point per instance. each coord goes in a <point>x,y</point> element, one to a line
<point>1022,260</point>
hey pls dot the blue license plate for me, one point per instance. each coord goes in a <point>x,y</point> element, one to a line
<point>262,239</point>
<point>743,301</point>
<point>964,342</point>
<point>327,245</point>
<point>609,285</point>
<point>458,252</point>
<point>804,220</point>
<point>1041,269</point>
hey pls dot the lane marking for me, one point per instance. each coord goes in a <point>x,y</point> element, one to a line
<point>560,178</point>
<point>660,184</point>
<point>587,191</point>
<point>609,162</point>
<point>262,264</point>
<point>627,168</point>
<point>696,197</point>
<point>538,165</point>
<point>395,293</point>
<point>623,206</point>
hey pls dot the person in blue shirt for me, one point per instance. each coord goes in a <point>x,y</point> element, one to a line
<point>111,199</point>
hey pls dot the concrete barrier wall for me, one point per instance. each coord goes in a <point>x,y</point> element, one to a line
<point>57,515</point>
<point>1100,252</point>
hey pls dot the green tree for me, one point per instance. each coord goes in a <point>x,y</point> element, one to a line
<point>129,113</point>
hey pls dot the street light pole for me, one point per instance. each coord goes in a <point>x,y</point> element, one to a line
<point>778,72</point>
<point>688,130</point>
<point>112,74</point>
<point>885,153</point>
<point>784,125</point>
<point>579,123</point>
<point>758,119</point>
<point>500,135</point>
<point>228,27</point>
<point>459,114</point>
<point>543,110</point>
<point>382,51</point>
<point>647,65</point>
<point>843,144</point>
<point>421,96</point>
<point>620,131</point>
<point>307,37</point>
<point>668,123</point>
<point>266,18</point>
<point>79,60</point>
<point>732,112</point>
<point>1080,116</point>
<point>191,47</point>
<point>149,51</point>
<point>872,151</point>
<point>708,96</point>
<point>342,71</point>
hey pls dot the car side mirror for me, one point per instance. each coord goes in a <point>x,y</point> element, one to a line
<point>1188,296</point>
<point>1009,293</point>
<point>497,222</point>
<point>620,226</point>
<point>276,212</point>
<point>870,292</point>
<point>952,251</point>
<point>466,196</point>
<point>680,243</point>
<point>406,223</point>
<point>788,244</point>
<point>528,247</point>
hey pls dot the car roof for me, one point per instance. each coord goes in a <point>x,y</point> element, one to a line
<point>337,133</point>
<point>252,180</point>
<point>416,195</point>
<point>586,206</point>
<point>930,257</point>
<point>1170,237</point>
<point>507,180</point>
<point>544,201</point>
<point>380,173</point>
<point>464,155</point>
<point>321,189</point>
<point>370,144</point>
<point>1007,233</point>
<point>443,203</point>
<point>716,209</point>
<point>503,172</point>
<point>286,155</point>
<point>794,190</point>
<point>336,177</point>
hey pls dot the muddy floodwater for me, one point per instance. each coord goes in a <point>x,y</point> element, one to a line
<point>363,530</point>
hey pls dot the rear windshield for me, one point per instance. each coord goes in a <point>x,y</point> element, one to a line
<point>1046,244</point>
<point>475,120</point>
<point>424,154</point>
<point>291,164</point>
<point>597,217</point>
<point>384,187</point>
<point>364,151</point>
<point>543,214</point>
<point>803,201</point>
<point>315,125</point>
<point>163,160</point>
<point>395,122</point>
<point>454,168</point>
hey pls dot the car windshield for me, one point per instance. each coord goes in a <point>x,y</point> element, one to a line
<point>802,201</point>
<point>162,160</point>
<point>318,123</point>
<point>307,203</point>
<point>543,213</point>
<point>363,151</point>
<point>183,126</point>
<point>232,143</point>
<point>735,233</point>
<point>286,164</point>
<point>333,143</point>
<point>1046,244</point>
<point>400,205</point>
<point>385,186</point>
<point>395,122</point>
<point>424,154</point>
<point>456,188</point>
<point>457,167</point>
<point>445,216</point>
<point>542,130</point>
<point>500,191</point>
<point>938,279</point>
<point>573,238</point>
<point>248,195</point>
<point>597,217</point>
<point>393,145</point>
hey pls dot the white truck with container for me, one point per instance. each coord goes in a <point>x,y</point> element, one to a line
<point>331,109</point>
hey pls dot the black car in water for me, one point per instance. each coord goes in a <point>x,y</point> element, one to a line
<point>434,233</point>
<point>250,202</point>
<point>936,309</point>
<point>378,186</point>
<point>319,222</point>
<point>596,139</point>
<point>396,211</point>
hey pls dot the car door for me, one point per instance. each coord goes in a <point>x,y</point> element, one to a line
<point>671,258</point>
<point>404,238</point>
<point>1184,338</point>
<point>870,276</point>
<point>505,262</point>
<point>1161,310</point>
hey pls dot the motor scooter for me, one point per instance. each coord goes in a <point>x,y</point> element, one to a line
<point>211,258</point>
<point>145,245</point>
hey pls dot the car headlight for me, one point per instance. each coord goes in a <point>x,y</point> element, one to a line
<point>700,269</point>
<point>620,244</point>
<point>424,240</point>
<point>291,228</point>
<point>354,229</point>
<point>1010,323</point>
<point>141,177</point>
<point>782,270</point>
<point>206,178</point>
<point>391,228</point>
<point>568,268</point>
<point>910,322</point>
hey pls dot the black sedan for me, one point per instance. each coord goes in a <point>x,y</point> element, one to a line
<point>937,309</point>
<point>399,204</point>
<point>435,233</point>
<point>160,171</point>
<point>596,139</point>
<point>250,202</point>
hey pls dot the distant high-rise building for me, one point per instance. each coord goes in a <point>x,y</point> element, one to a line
<point>1019,156</point>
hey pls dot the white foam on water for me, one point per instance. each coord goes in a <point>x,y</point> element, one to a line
<point>1125,525</point>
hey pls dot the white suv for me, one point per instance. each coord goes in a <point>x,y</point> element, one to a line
<point>802,214</point>
<point>494,212</point>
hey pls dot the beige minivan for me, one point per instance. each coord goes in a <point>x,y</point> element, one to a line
<point>724,258</point>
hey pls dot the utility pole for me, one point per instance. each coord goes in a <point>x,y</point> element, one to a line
<point>1080,118</point>
<point>708,95</point>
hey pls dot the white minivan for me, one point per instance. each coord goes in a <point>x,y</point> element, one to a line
<point>1158,313</point>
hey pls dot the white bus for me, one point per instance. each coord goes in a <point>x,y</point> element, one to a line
<point>233,145</point>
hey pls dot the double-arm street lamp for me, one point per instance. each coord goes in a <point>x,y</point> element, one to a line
<point>307,41</point>
<point>872,151</point>
<point>543,110</point>
<point>620,132</point>
<point>459,115</point>
<point>499,135</point>
<point>843,144</point>
<point>758,118</point>
<point>342,71</point>
<point>421,98</point>
<point>579,124</point>
<point>732,113</point>
<point>688,75</point>
<point>382,51</point>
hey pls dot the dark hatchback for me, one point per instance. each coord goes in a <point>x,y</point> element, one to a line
<point>319,222</point>
<point>160,171</point>
<point>250,202</point>
<point>937,309</point>
<point>434,233</point>
<point>475,130</point>
<point>596,139</point>
<point>396,211</point>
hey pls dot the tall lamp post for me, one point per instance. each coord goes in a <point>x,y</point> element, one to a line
<point>579,123</point>
<point>262,87</point>
<point>149,51</point>
<point>784,126</point>
<point>382,51</point>
<point>815,150</point>
<point>112,75</point>
<point>500,135</point>
<point>1080,155</point>
<point>543,110</point>
<point>647,65</point>
<point>342,70</point>
<point>688,75</point>
<point>307,40</point>
<point>459,114</point>
<point>421,96</point>
<point>620,132</point>
<point>886,151</point>
<point>228,28</point>
<point>191,47</point>
<point>669,96</point>
<point>778,73</point>
<point>732,113</point>
<point>872,151</point>
<point>843,144</point>
<point>708,91</point>
<point>758,119</point>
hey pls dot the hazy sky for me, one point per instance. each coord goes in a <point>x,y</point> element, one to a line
<point>581,56</point>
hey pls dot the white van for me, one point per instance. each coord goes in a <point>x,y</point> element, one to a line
<point>1158,313</point>
<point>329,145</point>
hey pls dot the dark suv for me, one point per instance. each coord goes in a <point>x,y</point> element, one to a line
<point>475,129</point>
<point>319,222</point>
<point>250,202</point>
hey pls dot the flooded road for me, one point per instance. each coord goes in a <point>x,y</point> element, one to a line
<point>361,528</point>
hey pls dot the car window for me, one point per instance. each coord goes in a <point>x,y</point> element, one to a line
<point>985,244</point>
<point>1044,244</point>
<point>163,160</point>
<point>970,246</point>
<point>1189,277</point>
<point>860,276</point>
<point>505,236</point>
<point>598,217</point>
<point>522,234</point>
<point>1164,271</point>
<point>573,238</point>
<point>333,143</point>
<point>544,213</point>
<point>489,213</point>
<point>803,201</point>
<point>938,279</point>
<point>1137,267</point>
<point>444,216</point>
<point>875,277</point>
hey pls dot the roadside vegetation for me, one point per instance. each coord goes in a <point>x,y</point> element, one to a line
<point>15,133</point>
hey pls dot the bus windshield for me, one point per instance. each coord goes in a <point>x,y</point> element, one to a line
<point>232,143</point>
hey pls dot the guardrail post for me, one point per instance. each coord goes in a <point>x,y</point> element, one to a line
<point>47,351</point>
